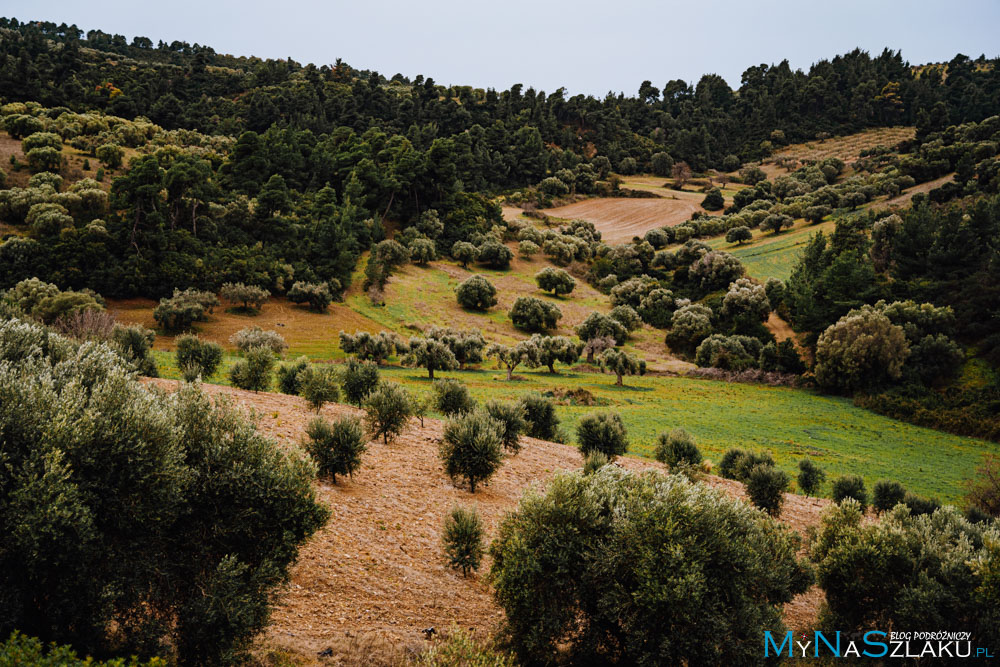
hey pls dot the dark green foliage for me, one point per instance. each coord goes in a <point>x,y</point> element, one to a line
<point>766,486</point>
<point>511,417</point>
<point>534,315</point>
<point>661,164</point>
<point>815,214</point>
<point>863,350</point>
<point>602,432</point>
<point>627,317</point>
<point>289,375</point>
<point>739,235</point>
<point>737,463</point>
<point>849,486</point>
<point>253,372</point>
<point>540,416</point>
<point>100,469</point>
<point>781,358</point>
<point>371,347</point>
<point>431,354</point>
<point>677,449</point>
<point>184,308</point>
<point>471,447</point>
<point>358,380</point>
<point>555,349</point>
<point>22,650</point>
<point>735,353</point>
<point>318,384</point>
<point>919,505</point>
<point>197,358</point>
<point>984,488</point>
<point>599,325</point>
<point>552,559</point>
<point>594,462</point>
<point>422,251</point>
<point>316,295</point>
<point>336,447</point>
<point>476,293</point>
<point>713,201</point>
<point>494,255</point>
<point>908,570</point>
<point>557,281</point>
<point>811,477</point>
<point>134,343</point>
<point>387,411</point>
<point>887,494</point>
<point>452,397</point>
<point>775,222</point>
<point>621,364</point>
<point>464,253</point>
<point>462,538</point>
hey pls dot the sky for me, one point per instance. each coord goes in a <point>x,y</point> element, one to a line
<point>584,46</point>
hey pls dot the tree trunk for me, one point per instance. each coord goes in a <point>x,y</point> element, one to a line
<point>552,368</point>
<point>510,373</point>
<point>619,381</point>
<point>590,357</point>
<point>472,484</point>
<point>430,372</point>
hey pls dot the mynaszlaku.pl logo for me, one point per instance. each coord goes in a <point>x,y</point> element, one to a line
<point>876,644</point>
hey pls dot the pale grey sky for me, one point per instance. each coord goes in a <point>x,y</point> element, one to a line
<point>585,46</point>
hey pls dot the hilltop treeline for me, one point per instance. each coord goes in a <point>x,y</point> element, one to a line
<point>179,85</point>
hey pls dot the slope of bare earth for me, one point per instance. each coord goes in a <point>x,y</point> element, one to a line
<point>374,576</point>
<point>620,219</point>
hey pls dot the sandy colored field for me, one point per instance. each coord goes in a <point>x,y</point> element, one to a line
<point>375,574</point>
<point>619,220</point>
<point>847,147</point>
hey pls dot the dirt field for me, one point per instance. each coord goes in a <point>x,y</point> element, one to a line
<point>375,575</point>
<point>619,220</point>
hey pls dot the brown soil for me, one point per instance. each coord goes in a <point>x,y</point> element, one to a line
<point>782,330</point>
<point>903,200</point>
<point>619,220</point>
<point>375,575</point>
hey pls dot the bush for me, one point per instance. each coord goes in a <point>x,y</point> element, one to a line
<point>22,650</point>
<point>919,505</point>
<point>886,495</point>
<point>677,449</point>
<point>602,432</point>
<point>471,447</point>
<point>713,201</point>
<point>184,308</point>
<point>134,343</point>
<point>197,358</point>
<point>661,164</point>
<point>594,462</point>
<point>553,187</point>
<point>811,477</point>
<point>459,647</point>
<point>44,158</point>
<point>908,571</point>
<point>689,325</point>
<point>336,448</point>
<point>463,540</point>
<point>476,293</point>
<point>512,422</point>
<point>108,470</point>
<point>358,380</point>
<point>463,252</point>
<point>318,385</point>
<point>317,295</point>
<point>739,235</point>
<point>849,486</point>
<point>289,375</point>
<point>251,337</point>
<point>766,487</point>
<point>863,350</point>
<point>111,155</point>
<point>494,255</point>
<point>387,410</point>
<point>737,463</point>
<point>557,281</point>
<point>528,248</point>
<point>251,297</point>
<point>540,416</point>
<point>983,490</point>
<point>534,315</point>
<point>552,560</point>
<point>627,317</point>
<point>253,372</point>
<point>452,397</point>
<point>422,251</point>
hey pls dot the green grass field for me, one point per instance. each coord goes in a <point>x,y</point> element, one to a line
<point>772,255</point>
<point>788,423</point>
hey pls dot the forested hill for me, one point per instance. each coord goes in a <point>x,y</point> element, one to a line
<point>504,133</point>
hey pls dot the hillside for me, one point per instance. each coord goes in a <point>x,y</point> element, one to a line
<point>374,577</point>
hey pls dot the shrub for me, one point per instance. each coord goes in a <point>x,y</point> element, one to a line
<point>602,432</point>
<point>371,347</point>
<point>184,308</point>
<point>358,380</point>
<point>661,164</point>
<point>463,252</point>
<point>197,358</point>
<point>317,295</point>
<point>253,372</point>
<point>552,559</point>
<point>289,375</point>
<point>737,463</point>
<point>906,570</point>
<point>627,317</point>
<point>511,417</point>
<point>336,448</point>
<point>715,270</point>
<point>540,416</point>
<point>318,385</point>
<point>422,251</point>
<point>557,281</point>
<point>739,235</point>
<point>863,350</point>
<point>251,297</point>
<point>887,494</point>
<point>689,325</point>
<point>44,158</point>
<point>251,337</point>
<point>134,343</point>
<point>452,397</point>
<point>553,187</point>
<point>983,490</point>
<point>387,410</point>
<point>766,487</point>
<point>463,540</point>
<point>713,201</point>
<point>811,477</point>
<point>471,447</point>
<point>594,461</point>
<point>22,650</point>
<point>461,647</point>
<point>494,255</point>
<point>110,469</point>
<point>849,486</point>
<point>431,354</point>
<point>528,248</point>
<point>476,293</point>
<point>534,315</point>
<point>920,505</point>
<point>677,449</point>
<point>111,155</point>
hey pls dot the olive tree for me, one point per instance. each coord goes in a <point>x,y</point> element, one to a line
<point>197,358</point>
<point>534,315</point>
<point>471,447</point>
<point>254,371</point>
<point>747,301</point>
<point>621,363</point>
<point>525,352</point>
<point>557,281</point>
<point>372,347</point>
<point>462,539</point>
<point>776,222</point>
<point>422,251</point>
<point>602,432</point>
<point>739,235</point>
<point>358,379</point>
<point>251,337</point>
<point>430,354</point>
<point>494,255</point>
<point>555,349</point>
<point>387,411</point>
<point>251,297</point>
<point>476,293</point>
<point>463,252</point>
<point>689,325</point>
<point>600,326</point>
<point>715,270</point>
<point>863,350</point>
<point>553,555</point>
<point>336,447</point>
<point>317,295</point>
